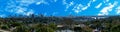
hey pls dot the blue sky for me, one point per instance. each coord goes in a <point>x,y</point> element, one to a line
<point>60,7</point>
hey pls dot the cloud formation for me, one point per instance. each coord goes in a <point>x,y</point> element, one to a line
<point>118,10</point>
<point>106,1</point>
<point>79,7</point>
<point>69,5</point>
<point>99,5</point>
<point>64,7</point>
<point>22,6</point>
<point>42,2</point>
<point>107,9</point>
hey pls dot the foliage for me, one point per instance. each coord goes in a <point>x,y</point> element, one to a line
<point>41,23</point>
<point>53,26</point>
<point>44,29</point>
<point>116,28</point>
<point>21,29</point>
<point>5,27</point>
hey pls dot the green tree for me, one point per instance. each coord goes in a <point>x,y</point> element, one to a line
<point>53,26</point>
<point>21,29</point>
<point>14,24</point>
<point>5,27</point>
<point>115,28</point>
<point>44,29</point>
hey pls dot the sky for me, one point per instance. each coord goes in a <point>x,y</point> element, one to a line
<point>60,7</point>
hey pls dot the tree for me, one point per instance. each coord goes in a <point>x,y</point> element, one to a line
<point>53,26</point>
<point>5,27</point>
<point>44,29</point>
<point>115,28</point>
<point>21,29</point>
<point>78,29</point>
<point>14,24</point>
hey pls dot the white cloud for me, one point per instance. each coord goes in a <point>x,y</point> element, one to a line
<point>23,11</point>
<point>41,2</point>
<point>99,5</point>
<point>77,11</point>
<point>106,1</point>
<point>84,8</point>
<point>88,5</point>
<point>38,3</point>
<point>93,0</point>
<point>106,10</point>
<point>20,6</point>
<point>20,10</point>
<point>79,7</point>
<point>64,2</point>
<point>100,14</point>
<point>55,0</point>
<point>29,13</point>
<point>118,10</point>
<point>23,2</point>
<point>27,1</point>
<point>69,5</point>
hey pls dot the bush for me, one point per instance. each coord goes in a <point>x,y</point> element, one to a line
<point>5,27</point>
<point>21,29</point>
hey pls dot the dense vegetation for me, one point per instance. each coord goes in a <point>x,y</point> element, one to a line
<point>41,23</point>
